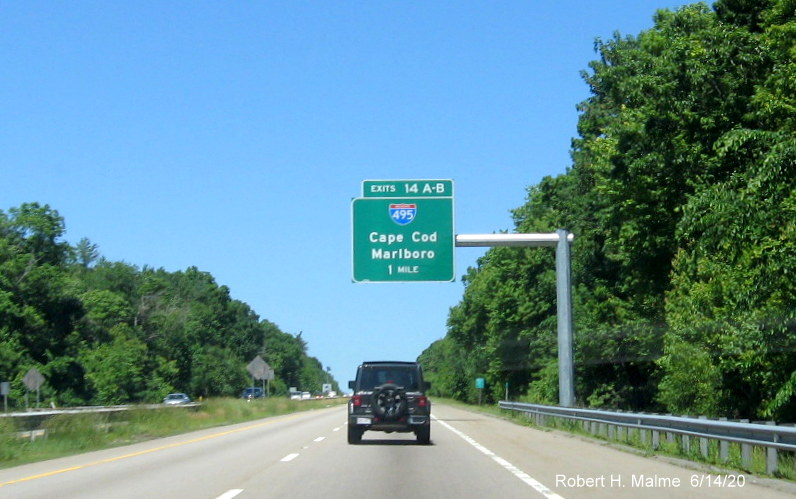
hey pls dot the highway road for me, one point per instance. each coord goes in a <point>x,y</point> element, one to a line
<point>305,455</point>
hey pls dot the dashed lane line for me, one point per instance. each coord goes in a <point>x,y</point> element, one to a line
<point>230,494</point>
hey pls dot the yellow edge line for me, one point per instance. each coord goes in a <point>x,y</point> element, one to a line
<point>148,451</point>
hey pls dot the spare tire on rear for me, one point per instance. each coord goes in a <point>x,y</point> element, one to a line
<point>389,402</point>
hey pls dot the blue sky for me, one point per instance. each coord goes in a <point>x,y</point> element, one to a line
<point>232,136</point>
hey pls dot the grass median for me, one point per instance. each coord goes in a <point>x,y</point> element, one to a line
<point>69,434</point>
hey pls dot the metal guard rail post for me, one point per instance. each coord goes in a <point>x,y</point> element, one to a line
<point>770,436</point>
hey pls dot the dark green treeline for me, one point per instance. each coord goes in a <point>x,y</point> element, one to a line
<point>682,198</point>
<point>106,332</point>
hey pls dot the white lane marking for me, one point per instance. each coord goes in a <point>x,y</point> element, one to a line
<point>538,486</point>
<point>337,429</point>
<point>230,494</point>
<point>294,455</point>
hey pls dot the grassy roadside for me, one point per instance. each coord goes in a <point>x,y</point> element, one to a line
<point>632,442</point>
<point>74,434</point>
<point>492,410</point>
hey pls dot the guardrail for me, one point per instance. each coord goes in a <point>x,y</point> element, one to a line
<point>44,412</point>
<point>766,435</point>
<point>47,412</point>
<point>32,419</point>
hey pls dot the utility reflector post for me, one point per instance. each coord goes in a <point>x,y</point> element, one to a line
<point>561,240</point>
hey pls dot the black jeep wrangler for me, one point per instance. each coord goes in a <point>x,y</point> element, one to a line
<point>389,396</point>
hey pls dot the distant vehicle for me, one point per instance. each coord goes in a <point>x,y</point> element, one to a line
<point>253,392</point>
<point>389,396</point>
<point>176,399</point>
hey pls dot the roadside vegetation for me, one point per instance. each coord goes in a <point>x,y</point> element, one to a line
<point>682,199</point>
<point>69,434</point>
<point>105,333</point>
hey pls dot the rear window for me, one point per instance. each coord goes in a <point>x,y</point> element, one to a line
<point>373,376</point>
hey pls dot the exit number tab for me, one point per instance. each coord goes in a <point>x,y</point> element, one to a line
<point>407,188</point>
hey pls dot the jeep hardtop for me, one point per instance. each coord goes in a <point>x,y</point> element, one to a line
<point>389,396</point>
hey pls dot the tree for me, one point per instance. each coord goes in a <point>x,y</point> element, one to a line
<point>86,253</point>
<point>733,297</point>
<point>445,366</point>
<point>108,332</point>
<point>681,196</point>
<point>216,371</point>
<point>116,370</point>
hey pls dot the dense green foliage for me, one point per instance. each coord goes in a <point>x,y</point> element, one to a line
<point>106,332</point>
<point>682,198</point>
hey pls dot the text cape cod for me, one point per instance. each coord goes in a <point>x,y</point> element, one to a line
<point>402,253</point>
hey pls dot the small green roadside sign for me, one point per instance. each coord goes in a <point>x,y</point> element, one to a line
<point>400,238</point>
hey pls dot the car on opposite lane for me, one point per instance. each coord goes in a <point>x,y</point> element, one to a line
<point>176,399</point>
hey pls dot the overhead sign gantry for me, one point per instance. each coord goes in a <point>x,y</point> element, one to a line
<point>403,231</point>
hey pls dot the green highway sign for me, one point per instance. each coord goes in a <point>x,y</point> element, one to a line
<point>407,188</point>
<point>399,239</point>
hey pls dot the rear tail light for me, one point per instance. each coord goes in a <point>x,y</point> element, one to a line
<point>422,401</point>
<point>357,400</point>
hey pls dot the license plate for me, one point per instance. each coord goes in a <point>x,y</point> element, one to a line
<point>363,420</point>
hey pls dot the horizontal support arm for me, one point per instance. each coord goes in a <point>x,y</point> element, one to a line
<point>473,240</point>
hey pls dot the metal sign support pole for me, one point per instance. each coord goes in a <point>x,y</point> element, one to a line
<point>561,239</point>
<point>566,374</point>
